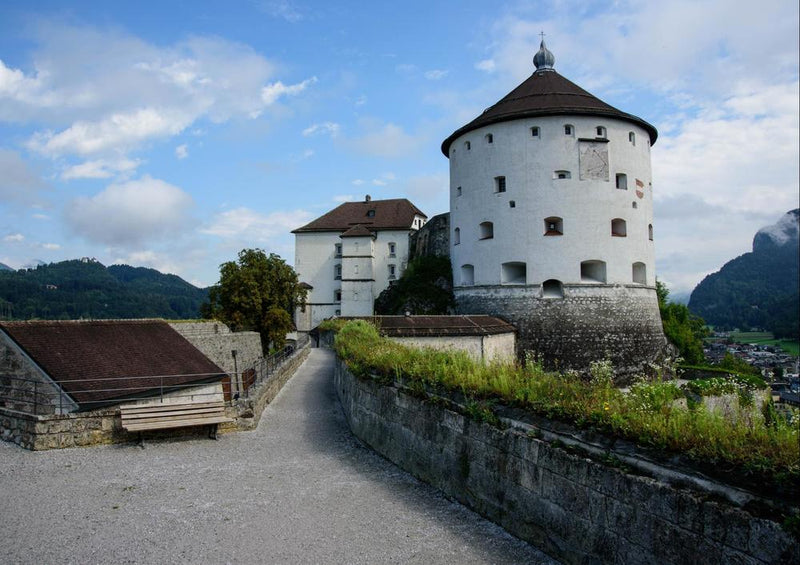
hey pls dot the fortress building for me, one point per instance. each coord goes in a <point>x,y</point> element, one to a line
<point>551,223</point>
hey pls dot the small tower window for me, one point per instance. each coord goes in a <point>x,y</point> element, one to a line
<point>634,205</point>
<point>552,288</point>
<point>392,272</point>
<point>467,145</point>
<point>618,227</point>
<point>632,137</point>
<point>467,275</point>
<point>593,271</point>
<point>535,131</point>
<point>337,249</point>
<point>456,236</point>
<point>639,273</point>
<point>650,232</point>
<point>562,175</point>
<point>337,272</point>
<point>512,204</point>
<point>355,269</point>
<point>569,130</point>
<point>489,138</point>
<point>600,131</point>
<point>513,272</point>
<point>622,181</point>
<point>392,249</point>
<point>458,191</point>
<point>499,184</point>
<point>337,295</point>
<point>487,230</point>
<point>553,226</point>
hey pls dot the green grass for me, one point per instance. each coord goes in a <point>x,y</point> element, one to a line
<point>766,338</point>
<point>647,414</point>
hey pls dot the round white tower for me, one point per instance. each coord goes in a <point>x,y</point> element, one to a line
<point>551,218</point>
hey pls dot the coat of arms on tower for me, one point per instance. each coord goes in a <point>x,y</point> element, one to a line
<point>639,188</point>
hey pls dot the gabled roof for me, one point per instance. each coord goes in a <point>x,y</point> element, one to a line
<point>435,326</point>
<point>89,359</point>
<point>358,231</point>
<point>546,93</point>
<point>392,214</point>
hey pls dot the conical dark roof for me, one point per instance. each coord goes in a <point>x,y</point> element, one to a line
<point>546,93</point>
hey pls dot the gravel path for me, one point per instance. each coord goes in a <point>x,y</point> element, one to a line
<point>299,489</point>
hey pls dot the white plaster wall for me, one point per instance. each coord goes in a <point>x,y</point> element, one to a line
<point>586,206</point>
<point>314,263</point>
<point>480,348</point>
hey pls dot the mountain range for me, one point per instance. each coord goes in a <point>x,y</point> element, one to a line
<point>84,288</point>
<point>757,290</point>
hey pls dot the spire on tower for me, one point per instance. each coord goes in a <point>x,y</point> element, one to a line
<point>544,58</point>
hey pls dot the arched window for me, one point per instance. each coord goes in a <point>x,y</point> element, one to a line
<point>650,232</point>
<point>513,272</point>
<point>569,130</point>
<point>562,175</point>
<point>639,273</point>
<point>552,288</point>
<point>553,226</point>
<point>499,184</point>
<point>593,271</point>
<point>489,138</point>
<point>600,131</point>
<point>622,181</point>
<point>535,131</point>
<point>456,236</point>
<point>619,228</point>
<point>632,137</point>
<point>486,230</point>
<point>467,275</point>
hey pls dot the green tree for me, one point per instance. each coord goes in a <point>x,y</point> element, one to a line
<point>682,328</point>
<point>426,287</point>
<point>259,293</point>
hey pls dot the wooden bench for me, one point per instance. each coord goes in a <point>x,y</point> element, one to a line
<point>165,416</point>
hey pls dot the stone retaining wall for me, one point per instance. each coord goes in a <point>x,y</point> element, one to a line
<point>573,507</point>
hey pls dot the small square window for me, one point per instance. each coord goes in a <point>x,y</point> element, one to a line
<point>458,191</point>
<point>467,145</point>
<point>534,132</point>
<point>567,130</point>
<point>499,184</point>
<point>338,249</point>
<point>512,204</point>
<point>489,138</point>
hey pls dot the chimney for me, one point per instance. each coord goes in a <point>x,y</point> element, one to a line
<point>367,198</point>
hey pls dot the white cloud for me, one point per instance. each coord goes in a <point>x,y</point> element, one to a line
<point>14,238</point>
<point>385,140</point>
<point>100,169</point>
<point>486,65</point>
<point>162,262</point>
<point>331,128</point>
<point>282,9</point>
<point>256,227</point>
<point>435,74</point>
<point>18,182</point>
<point>51,246</point>
<point>384,179</point>
<point>343,198</point>
<point>272,92</point>
<point>429,192</point>
<point>41,216</point>
<point>130,213</point>
<point>357,182</point>
<point>182,151</point>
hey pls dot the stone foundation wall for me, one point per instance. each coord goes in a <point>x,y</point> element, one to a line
<point>432,239</point>
<point>591,322</point>
<point>575,508</point>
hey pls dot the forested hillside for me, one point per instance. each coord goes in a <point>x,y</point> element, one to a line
<point>87,289</point>
<point>757,289</point>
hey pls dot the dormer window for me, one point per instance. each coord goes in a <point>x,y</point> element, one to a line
<point>600,131</point>
<point>370,213</point>
<point>489,138</point>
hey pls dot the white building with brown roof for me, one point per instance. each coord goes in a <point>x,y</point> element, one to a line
<point>348,256</point>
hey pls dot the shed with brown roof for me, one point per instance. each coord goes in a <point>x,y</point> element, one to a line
<point>98,363</point>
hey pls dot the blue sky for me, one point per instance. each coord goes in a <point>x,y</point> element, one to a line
<point>174,134</point>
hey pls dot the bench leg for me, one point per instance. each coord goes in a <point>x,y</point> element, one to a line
<point>212,431</point>
<point>141,440</point>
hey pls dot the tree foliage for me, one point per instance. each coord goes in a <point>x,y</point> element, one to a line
<point>257,292</point>
<point>682,328</point>
<point>426,287</point>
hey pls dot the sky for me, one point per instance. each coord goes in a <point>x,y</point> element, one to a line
<point>174,134</point>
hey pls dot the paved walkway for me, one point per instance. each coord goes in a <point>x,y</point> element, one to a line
<point>299,489</point>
